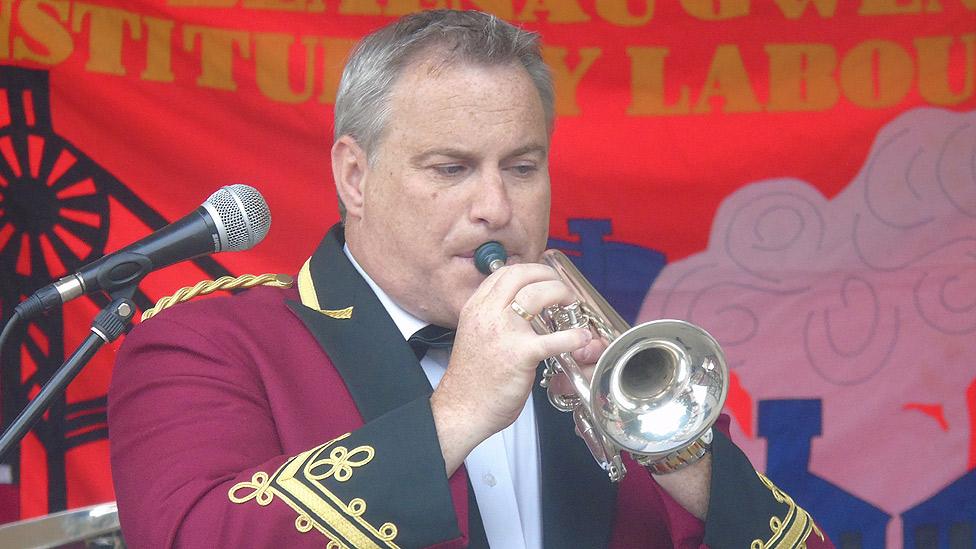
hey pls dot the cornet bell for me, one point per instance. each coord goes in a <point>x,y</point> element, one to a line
<point>658,387</point>
<point>656,390</point>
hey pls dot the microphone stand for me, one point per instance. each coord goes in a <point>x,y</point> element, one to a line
<point>107,327</point>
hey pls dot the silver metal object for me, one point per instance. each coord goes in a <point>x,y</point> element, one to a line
<point>70,287</point>
<point>656,390</point>
<point>95,526</point>
<point>496,264</point>
<point>241,216</point>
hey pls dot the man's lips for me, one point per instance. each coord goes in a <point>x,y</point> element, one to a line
<point>469,256</point>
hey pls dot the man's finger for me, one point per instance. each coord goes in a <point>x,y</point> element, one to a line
<point>563,341</point>
<point>590,354</point>
<point>535,297</point>
<point>510,279</point>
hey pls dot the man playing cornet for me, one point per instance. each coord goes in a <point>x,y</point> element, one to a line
<point>278,417</point>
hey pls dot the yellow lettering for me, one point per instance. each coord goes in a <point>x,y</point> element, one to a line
<point>801,77</point>
<point>716,10</point>
<point>159,46</point>
<point>336,51</point>
<point>618,12</point>
<point>359,7</point>
<point>315,6</point>
<point>933,69</point>
<point>728,79</point>
<point>216,54</point>
<point>6,15</point>
<point>895,7</point>
<point>566,80</point>
<point>501,8</point>
<point>272,61</point>
<point>105,28</point>
<point>876,73</point>
<point>397,8</point>
<point>202,3</point>
<point>793,9</point>
<point>647,84</point>
<point>45,30</point>
<point>566,11</point>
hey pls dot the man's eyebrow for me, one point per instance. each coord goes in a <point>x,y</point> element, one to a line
<point>452,152</point>
<point>442,151</point>
<point>529,149</point>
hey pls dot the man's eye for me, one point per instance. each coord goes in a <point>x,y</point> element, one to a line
<point>450,170</point>
<point>524,170</point>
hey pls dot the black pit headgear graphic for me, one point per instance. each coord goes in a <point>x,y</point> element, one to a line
<point>54,218</point>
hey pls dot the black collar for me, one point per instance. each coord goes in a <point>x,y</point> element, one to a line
<point>378,367</point>
<point>382,374</point>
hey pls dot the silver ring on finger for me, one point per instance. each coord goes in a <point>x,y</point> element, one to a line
<point>520,310</point>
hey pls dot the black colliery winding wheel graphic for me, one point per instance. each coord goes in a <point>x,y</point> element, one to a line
<point>54,218</point>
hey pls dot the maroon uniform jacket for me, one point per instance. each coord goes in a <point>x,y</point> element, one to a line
<point>287,418</point>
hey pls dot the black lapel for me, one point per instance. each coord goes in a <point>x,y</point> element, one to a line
<point>378,367</point>
<point>571,482</point>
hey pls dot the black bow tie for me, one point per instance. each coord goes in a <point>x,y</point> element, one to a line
<point>430,337</point>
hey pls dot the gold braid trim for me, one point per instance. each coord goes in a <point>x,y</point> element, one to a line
<point>299,482</point>
<point>310,299</point>
<point>791,531</point>
<point>205,287</point>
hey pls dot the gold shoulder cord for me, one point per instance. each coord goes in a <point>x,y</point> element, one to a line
<point>205,287</point>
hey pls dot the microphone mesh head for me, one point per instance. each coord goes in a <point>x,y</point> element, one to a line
<point>242,216</point>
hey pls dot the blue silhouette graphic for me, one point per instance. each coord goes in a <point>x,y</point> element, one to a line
<point>789,426</point>
<point>622,273</point>
<point>946,520</point>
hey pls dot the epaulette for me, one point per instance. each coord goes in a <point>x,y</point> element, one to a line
<point>228,283</point>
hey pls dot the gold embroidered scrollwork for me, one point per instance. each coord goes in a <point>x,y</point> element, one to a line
<point>388,531</point>
<point>303,523</point>
<point>341,461</point>
<point>261,483</point>
<point>790,531</point>
<point>299,482</point>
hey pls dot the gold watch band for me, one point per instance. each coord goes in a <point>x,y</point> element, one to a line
<point>680,458</point>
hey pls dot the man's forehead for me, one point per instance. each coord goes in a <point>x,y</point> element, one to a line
<point>434,68</point>
<point>435,59</point>
<point>461,106</point>
<point>495,90</point>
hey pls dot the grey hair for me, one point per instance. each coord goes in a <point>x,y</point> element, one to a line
<point>362,104</point>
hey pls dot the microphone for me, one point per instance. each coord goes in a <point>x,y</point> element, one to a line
<point>236,217</point>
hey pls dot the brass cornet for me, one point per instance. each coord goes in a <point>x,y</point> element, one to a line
<point>657,388</point>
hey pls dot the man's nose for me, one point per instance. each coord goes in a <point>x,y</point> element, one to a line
<point>491,204</point>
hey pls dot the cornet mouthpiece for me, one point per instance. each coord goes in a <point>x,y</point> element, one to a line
<point>489,257</point>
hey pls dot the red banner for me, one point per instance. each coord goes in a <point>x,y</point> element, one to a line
<point>796,176</point>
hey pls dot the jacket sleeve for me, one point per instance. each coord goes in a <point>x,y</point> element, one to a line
<point>197,460</point>
<point>745,508</point>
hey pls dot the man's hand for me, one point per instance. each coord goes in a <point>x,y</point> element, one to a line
<point>496,352</point>
<point>586,358</point>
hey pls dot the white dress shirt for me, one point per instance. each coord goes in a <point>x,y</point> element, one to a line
<point>504,469</point>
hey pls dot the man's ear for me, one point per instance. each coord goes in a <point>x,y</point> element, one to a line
<point>349,169</point>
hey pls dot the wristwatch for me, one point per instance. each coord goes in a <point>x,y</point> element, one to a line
<point>678,459</point>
